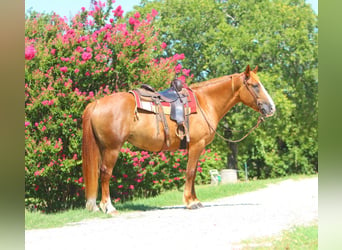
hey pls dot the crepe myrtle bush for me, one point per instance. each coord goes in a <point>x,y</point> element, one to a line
<point>71,63</point>
<point>144,174</point>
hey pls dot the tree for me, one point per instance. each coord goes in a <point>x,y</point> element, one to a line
<point>222,37</point>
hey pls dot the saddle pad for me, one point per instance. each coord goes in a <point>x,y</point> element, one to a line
<point>146,105</point>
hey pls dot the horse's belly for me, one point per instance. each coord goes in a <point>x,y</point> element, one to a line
<point>148,134</point>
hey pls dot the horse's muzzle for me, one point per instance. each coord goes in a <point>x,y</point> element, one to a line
<point>266,109</point>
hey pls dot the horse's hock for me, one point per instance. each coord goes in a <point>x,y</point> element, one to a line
<point>229,176</point>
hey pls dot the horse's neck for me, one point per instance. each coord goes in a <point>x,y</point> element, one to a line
<point>219,97</point>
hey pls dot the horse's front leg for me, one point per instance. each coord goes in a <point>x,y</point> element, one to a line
<point>189,196</point>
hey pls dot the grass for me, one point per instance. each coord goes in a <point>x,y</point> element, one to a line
<point>35,220</point>
<point>299,237</point>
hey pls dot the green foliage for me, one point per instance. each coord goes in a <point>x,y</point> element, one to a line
<point>223,37</point>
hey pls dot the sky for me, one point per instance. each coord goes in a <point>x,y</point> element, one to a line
<point>69,8</point>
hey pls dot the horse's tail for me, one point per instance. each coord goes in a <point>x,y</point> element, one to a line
<point>90,156</point>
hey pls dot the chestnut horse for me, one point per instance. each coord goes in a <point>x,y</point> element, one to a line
<point>111,120</point>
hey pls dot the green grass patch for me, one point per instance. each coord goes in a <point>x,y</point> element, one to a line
<point>35,220</point>
<point>299,237</point>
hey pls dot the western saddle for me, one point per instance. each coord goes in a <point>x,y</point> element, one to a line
<point>172,101</point>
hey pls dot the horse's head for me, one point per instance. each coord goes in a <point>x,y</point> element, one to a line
<point>254,95</point>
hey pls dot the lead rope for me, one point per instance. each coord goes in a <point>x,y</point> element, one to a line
<point>260,119</point>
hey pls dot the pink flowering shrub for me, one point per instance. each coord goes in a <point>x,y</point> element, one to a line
<point>68,65</point>
<point>143,174</point>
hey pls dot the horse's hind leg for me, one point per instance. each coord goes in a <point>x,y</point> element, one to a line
<point>109,159</point>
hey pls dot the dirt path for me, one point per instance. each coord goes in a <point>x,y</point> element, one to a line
<point>219,225</point>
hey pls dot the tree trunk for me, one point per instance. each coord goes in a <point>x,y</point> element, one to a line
<point>233,152</point>
<point>232,156</point>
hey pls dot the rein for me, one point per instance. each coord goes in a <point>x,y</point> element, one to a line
<point>260,119</point>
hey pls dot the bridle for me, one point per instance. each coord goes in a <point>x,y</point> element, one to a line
<point>252,92</point>
<point>260,119</point>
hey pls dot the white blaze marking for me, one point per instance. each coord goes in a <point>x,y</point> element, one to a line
<point>268,97</point>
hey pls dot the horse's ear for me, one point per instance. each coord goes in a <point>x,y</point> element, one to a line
<point>247,71</point>
<point>256,69</point>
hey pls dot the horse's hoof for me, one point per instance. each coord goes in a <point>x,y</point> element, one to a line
<point>200,205</point>
<point>92,208</point>
<point>195,205</point>
<point>113,213</point>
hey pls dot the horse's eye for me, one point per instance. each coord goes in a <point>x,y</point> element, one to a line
<point>256,88</point>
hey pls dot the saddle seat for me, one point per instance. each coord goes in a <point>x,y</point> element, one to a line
<point>168,95</point>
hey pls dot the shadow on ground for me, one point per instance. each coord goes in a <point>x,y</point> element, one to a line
<point>142,207</point>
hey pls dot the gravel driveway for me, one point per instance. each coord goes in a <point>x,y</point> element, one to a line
<point>221,224</point>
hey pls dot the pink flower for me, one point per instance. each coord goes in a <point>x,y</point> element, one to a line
<point>76,71</point>
<point>178,57</point>
<point>199,169</point>
<point>118,11</point>
<point>79,49</point>
<point>53,51</point>
<point>124,175</point>
<point>45,102</point>
<point>163,45</point>
<point>27,124</point>
<point>178,68</point>
<point>182,78</point>
<point>43,128</point>
<point>131,187</point>
<point>86,56</point>
<point>137,15</point>
<point>30,52</point>
<point>154,12</point>
<point>131,21</point>
<point>186,72</point>
<point>142,38</point>
<point>64,69</point>
<point>120,186</point>
<point>36,188</point>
